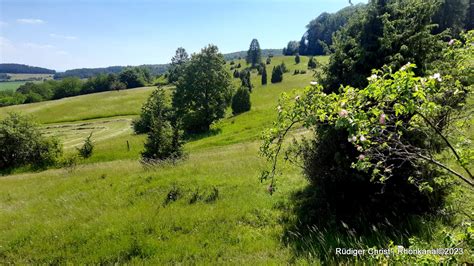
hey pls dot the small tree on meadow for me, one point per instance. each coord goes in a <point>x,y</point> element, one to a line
<point>204,91</point>
<point>269,61</point>
<point>158,120</point>
<point>264,76</point>
<point>87,148</point>
<point>297,59</point>
<point>277,74</point>
<point>245,78</point>
<point>236,74</point>
<point>312,63</point>
<point>241,101</point>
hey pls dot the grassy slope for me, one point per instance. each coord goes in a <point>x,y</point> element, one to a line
<point>115,211</point>
<point>10,85</point>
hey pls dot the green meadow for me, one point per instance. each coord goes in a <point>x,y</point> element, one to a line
<point>210,207</point>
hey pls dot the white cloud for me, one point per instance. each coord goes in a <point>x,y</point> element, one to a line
<point>30,21</point>
<point>65,37</point>
<point>38,46</point>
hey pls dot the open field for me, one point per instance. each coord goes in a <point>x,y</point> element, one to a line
<point>111,209</point>
<point>23,77</point>
<point>10,85</point>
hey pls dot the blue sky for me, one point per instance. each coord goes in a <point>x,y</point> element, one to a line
<point>64,34</point>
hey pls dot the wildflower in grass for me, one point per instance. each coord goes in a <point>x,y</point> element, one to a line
<point>361,157</point>
<point>451,42</point>
<point>313,83</point>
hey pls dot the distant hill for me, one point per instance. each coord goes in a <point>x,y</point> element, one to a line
<point>24,69</point>
<point>155,69</point>
<point>90,72</point>
<point>243,54</point>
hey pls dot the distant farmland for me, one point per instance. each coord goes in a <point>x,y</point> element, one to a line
<point>16,80</point>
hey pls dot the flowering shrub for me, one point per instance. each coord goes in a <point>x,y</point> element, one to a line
<point>397,119</point>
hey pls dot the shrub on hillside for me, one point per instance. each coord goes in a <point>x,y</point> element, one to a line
<point>277,74</point>
<point>269,61</point>
<point>245,78</point>
<point>164,135</point>
<point>236,74</point>
<point>297,59</point>
<point>264,76</point>
<point>87,148</point>
<point>22,144</point>
<point>312,63</point>
<point>375,146</point>
<point>157,105</point>
<point>241,101</point>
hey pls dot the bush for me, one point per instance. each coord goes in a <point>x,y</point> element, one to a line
<point>232,62</point>
<point>132,77</point>
<point>156,105</point>
<point>312,63</point>
<point>245,78</point>
<point>164,136</point>
<point>241,101</point>
<point>297,59</point>
<point>86,150</point>
<point>283,67</point>
<point>264,76</point>
<point>22,144</point>
<point>236,74</point>
<point>375,146</point>
<point>296,72</point>
<point>269,60</point>
<point>277,74</point>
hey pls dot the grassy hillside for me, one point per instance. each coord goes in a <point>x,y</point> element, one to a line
<point>111,209</point>
<point>10,85</point>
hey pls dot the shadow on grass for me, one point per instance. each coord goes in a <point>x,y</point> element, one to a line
<point>198,136</point>
<point>313,228</point>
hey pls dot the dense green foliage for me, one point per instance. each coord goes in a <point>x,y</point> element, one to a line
<point>241,101</point>
<point>379,145</point>
<point>320,30</point>
<point>292,48</point>
<point>22,144</point>
<point>24,69</point>
<point>452,15</point>
<point>384,33</point>
<point>204,91</point>
<point>254,54</point>
<point>135,77</point>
